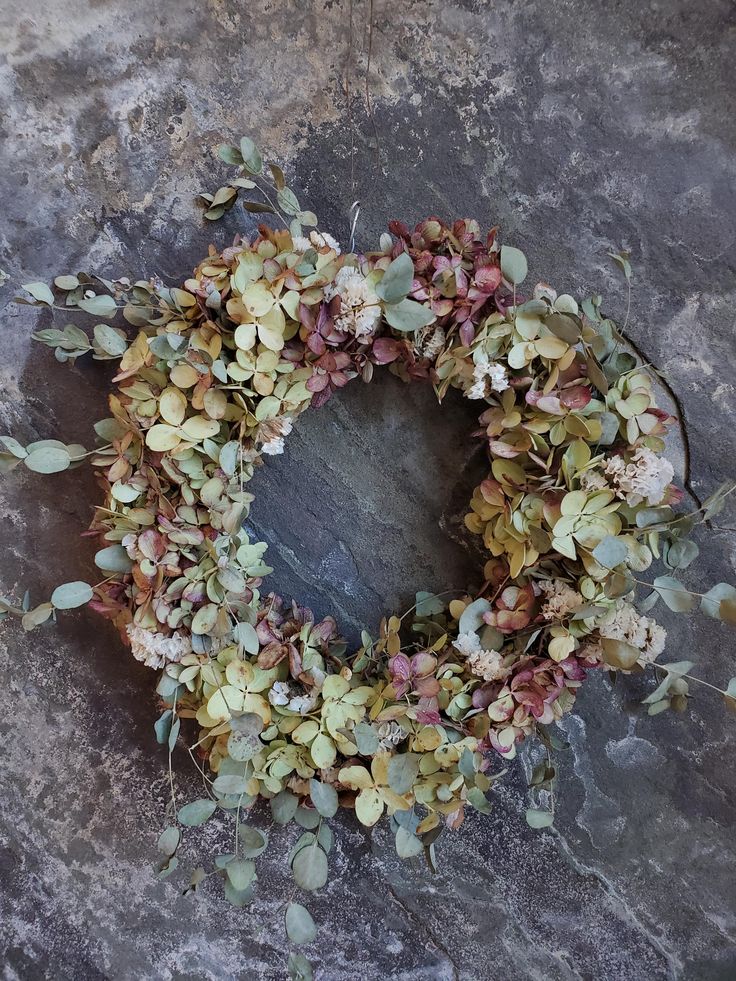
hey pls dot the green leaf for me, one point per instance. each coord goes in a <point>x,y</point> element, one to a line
<point>711,602</point>
<point>197,812</point>
<point>408,316</point>
<point>287,201</point>
<point>228,784</point>
<point>407,844</point>
<point>402,772</point>
<point>310,867</point>
<point>34,618</point>
<point>240,872</point>
<point>101,306</point>
<point>252,160</point>
<point>307,817</point>
<point>513,264</point>
<point>238,897</point>
<point>283,806</point>
<point>366,739</point>
<point>479,801</point>
<point>71,595</point>
<point>230,155</point>
<point>675,670</point>
<point>114,558</point>
<point>162,727</point>
<point>168,842</point>
<point>66,283</point>
<point>299,968</point>
<point>244,634</point>
<point>396,281</point>
<point>40,292</point>
<point>110,340</point>
<point>536,818</point>
<point>681,554</point>
<point>324,797</point>
<point>610,552</point>
<point>674,594</point>
<point>300,927</point>
<point>471,619</point>
<point>48,459</point>
<point>253,841</point>
<point>618,654</point>
<point>428,604</point>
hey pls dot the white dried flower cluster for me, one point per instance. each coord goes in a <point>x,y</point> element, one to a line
<point>593,480</point>
<point>282,695</point>
<point>155,649</point>
<point>274,432</point>
<point>487,665</point>
<point>590,650</point>
<point>560,599</point>
<point>429,342</point>
<point>489,376</point>
<point>360,310</point>
<point>390,734</point>
<point>625,623</point>
<point>316,240</point>
<point>646,477</point>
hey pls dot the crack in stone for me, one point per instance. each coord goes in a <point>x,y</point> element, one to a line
<point>420,927</point>
<point>674,964</point>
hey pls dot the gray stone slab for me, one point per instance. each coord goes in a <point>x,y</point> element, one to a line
<point>576,126</point>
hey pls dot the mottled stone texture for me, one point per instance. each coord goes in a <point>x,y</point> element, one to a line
<point>577,126</point>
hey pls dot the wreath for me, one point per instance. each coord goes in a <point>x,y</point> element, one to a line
<point>578,503</point>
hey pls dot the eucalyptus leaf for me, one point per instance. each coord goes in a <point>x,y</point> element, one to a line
<point>48,459</point>
<point>40,292</point>
<point>396,281</point>
<point>197,812</point>
<point>71,595</point>
<point>101,305</point>
<point>513,264</point>
<point>324,797</point>
<point>300,927</point>
<point>408,316</point>
<point>402,772</point>
<point>310,867</point>
<point>283,806</point>
<point>536,818</point>
<point>675,595</point>
<point>610,552</point>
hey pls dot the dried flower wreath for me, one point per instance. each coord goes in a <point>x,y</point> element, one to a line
<point>578,503</point>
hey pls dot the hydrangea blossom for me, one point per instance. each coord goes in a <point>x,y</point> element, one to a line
<point>360,311</point>
<point>155,649</point>
<point>560,599</point>
<point>625,623</point>
<point>316,240</point>
<point>489,376</point>
<point>646,477</point>
<point>274,432</point>
<point>487,665</point>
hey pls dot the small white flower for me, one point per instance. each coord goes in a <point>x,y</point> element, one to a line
<point>272,432</point>
<point>155,649</point>
<point>279,693</point>
<point>321,240</point>
<point>300,243</point>
<point>389,734</point>
<point>360,311</point>
<point>593,480</point>
<point>646,477</point>
<point>274,446</point>
<point>625,623</point>
<point>487,665</point>
<point>489,376</point>
<point>560,599</point>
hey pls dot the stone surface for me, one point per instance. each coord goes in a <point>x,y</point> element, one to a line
<point>578,127</point>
